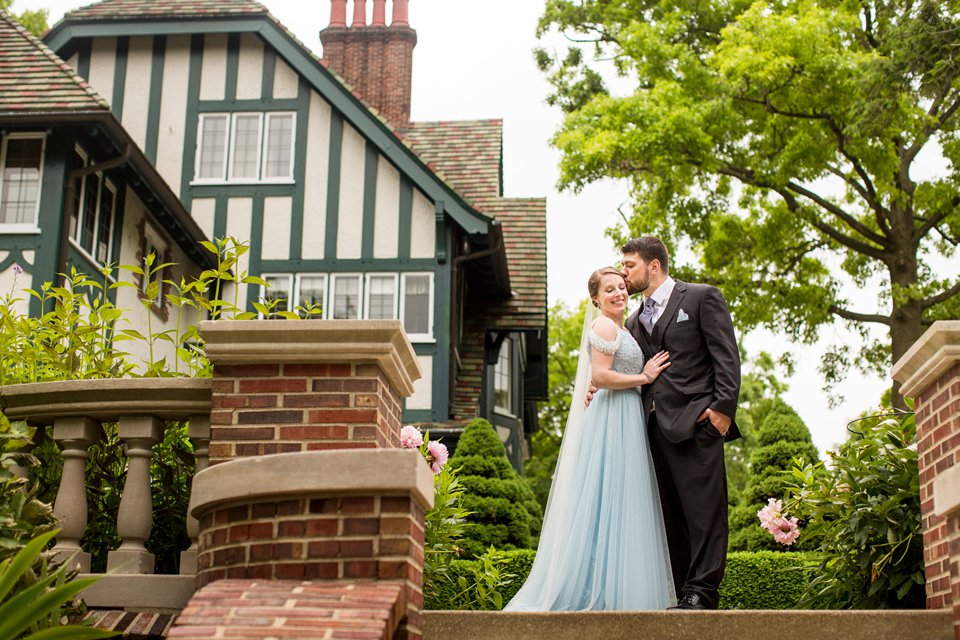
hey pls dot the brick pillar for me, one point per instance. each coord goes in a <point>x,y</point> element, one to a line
<point>282,386</point>
<point>930,373</point>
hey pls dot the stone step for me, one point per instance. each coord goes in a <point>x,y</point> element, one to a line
<point>689,625</point>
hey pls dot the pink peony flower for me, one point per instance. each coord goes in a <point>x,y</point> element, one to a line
<point>410,438</point>
<point>770,513</point>
<point>437,456</point>
<point>785,530</point>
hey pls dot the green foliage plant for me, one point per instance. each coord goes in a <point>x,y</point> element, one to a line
<point>788,134</point>
<point>764,580</point>
<point>33,20</point>
<point>485,583</point>
<point>505,513</point>
<point>865,509</point>
<point>444,526</point>
<point>781,438</point>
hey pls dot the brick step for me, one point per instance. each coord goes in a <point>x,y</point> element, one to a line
<point>689,625</point>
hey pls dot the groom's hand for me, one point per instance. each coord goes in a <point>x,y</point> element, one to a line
<point>586,401</point>
<point>719,421</point>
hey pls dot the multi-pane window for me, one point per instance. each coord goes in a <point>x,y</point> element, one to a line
<point>93,213</point>
<point>501,377</point>
<point>245,147</point>
<point>311,295</point>
<point>276,295</point>
<point>346,296</point>
<point>417,304</point>
<point>20,164</point>
<point>381,296</point>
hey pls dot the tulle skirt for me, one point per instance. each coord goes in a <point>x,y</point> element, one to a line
<point>605,547</point>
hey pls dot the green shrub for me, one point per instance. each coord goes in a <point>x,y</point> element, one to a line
<point>505,513</point>
<point>865,510</point>
<point>781,438</point>
<point>764,580</point>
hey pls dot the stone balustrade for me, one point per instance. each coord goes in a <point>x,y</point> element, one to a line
<point>141,407</point>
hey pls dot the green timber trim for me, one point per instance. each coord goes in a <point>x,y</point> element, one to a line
<point>234,106</point>
<point>220,217</point>
<point>405,224</point>
<point>440,249</point>
<point>83,59</point>
<point>442,302</point>
<point>58,148</point>
<point>233,66</point>
<point>269,70</point>
<point>383,265</point>
<point>256,249</point>
<point>301,60</point>
<point>371,160</point>
<point>333,185</point>
<point>240,190</point>
<point>156,93</point>
<point>192,119</point>
<point>299,164</point>
<point>120,75</point>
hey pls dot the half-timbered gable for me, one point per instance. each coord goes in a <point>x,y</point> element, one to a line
<point>77,191</point>
<point>344,211</point>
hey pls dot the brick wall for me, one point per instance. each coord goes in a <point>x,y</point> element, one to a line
<point>938,449</point>
<point>260,409</point>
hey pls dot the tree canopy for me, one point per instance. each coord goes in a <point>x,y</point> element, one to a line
<point>33,20</point>
<point>779,140</point>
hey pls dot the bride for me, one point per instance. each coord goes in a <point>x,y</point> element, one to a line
<point>603,545</point>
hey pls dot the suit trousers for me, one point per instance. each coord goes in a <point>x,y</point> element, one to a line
<point>693,494</point>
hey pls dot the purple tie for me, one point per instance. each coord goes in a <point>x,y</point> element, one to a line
<point>647,314</point>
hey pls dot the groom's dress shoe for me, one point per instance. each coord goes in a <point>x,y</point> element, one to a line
<point>691,601</point>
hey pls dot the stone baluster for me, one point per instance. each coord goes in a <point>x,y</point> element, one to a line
<point>134,519</point>
<point>75,436</point>
<point>199,432</point>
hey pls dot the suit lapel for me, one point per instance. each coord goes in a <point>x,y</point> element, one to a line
<point>679,289</point>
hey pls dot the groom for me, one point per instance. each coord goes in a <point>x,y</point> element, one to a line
<point>691,408</point>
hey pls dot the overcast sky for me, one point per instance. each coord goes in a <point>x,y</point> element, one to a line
<point>473,60</point>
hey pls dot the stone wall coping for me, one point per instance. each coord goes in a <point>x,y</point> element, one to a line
<point>936,351</point>
<point>381,342</point>
<point>946,491</point>
<point>313,473</point>
<point>107,399</point>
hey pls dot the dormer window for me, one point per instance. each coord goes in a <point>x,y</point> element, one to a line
<point>246,147</point>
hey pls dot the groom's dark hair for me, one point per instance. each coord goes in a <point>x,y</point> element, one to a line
<point>649,248</point>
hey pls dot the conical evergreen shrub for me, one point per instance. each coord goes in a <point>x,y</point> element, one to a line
<point>506,514</point>
<point>782,436</point>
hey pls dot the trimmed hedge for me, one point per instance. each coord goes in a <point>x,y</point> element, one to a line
<point>753,580</point>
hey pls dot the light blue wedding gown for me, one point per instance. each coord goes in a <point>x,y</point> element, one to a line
<point>603,545</point>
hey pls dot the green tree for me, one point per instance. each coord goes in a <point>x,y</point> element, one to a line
<point>504,512</point>
<point>565,326</point>
<point>779,139</point>
<point>782,438</point>
<point>33,20</point>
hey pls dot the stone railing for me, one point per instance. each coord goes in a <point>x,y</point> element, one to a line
<point>141,407</point>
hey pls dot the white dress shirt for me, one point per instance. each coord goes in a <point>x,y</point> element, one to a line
<point>661,296</point>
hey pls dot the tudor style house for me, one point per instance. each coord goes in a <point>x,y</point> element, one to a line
<point>76,191</point>
<point>347,205</point>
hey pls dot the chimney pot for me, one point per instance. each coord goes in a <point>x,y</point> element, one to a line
<point>359,13</point>
<point>401,12</point>
<point>379,13</point>
<point>338,13</point>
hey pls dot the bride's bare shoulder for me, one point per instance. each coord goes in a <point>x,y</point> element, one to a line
<point>605,328</point>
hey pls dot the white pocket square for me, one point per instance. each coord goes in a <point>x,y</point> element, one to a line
<point>681,316</point>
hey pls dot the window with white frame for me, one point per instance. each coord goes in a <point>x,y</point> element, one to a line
<point>152,241</point>
<point>501,377</point>
<point>345,296</point>
<point>245,147</point>
<point>381,296</point>
<point>311,294</point>
<point>276,295</point>
<point>93,214</point>
<point>21,163</point>
<point>416,305</point>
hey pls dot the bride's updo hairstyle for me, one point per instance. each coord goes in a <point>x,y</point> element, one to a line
<point>593,283</point>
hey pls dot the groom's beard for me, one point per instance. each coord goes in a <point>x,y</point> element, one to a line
<point>633,288</point>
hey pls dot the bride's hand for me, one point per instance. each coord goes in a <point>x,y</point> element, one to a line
<point>655,365</point>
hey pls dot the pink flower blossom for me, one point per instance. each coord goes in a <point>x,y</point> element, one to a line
<point>772,518</point>
<point>770,513</point>
<point>17,269</point>
<point>410,438</point>
<point>437,456</point>
<point>786,531</point>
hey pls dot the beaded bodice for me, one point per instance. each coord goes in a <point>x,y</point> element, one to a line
<point>627,356</point>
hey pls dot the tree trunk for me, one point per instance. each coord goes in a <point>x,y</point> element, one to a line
<point>905,319</point>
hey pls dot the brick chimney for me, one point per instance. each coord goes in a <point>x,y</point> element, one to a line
<point>375,59</point>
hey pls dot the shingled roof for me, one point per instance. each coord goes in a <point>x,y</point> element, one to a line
<point>33,79</point>
<point>133,9</point>
<point>468,153</point>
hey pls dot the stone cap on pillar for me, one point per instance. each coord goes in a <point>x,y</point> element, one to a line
<point>382,471</point>
<point>946,491</point>
<point>934,353</point>
<point>380,342</point>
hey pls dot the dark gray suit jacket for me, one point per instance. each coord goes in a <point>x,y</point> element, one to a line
<point>704,366</point>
